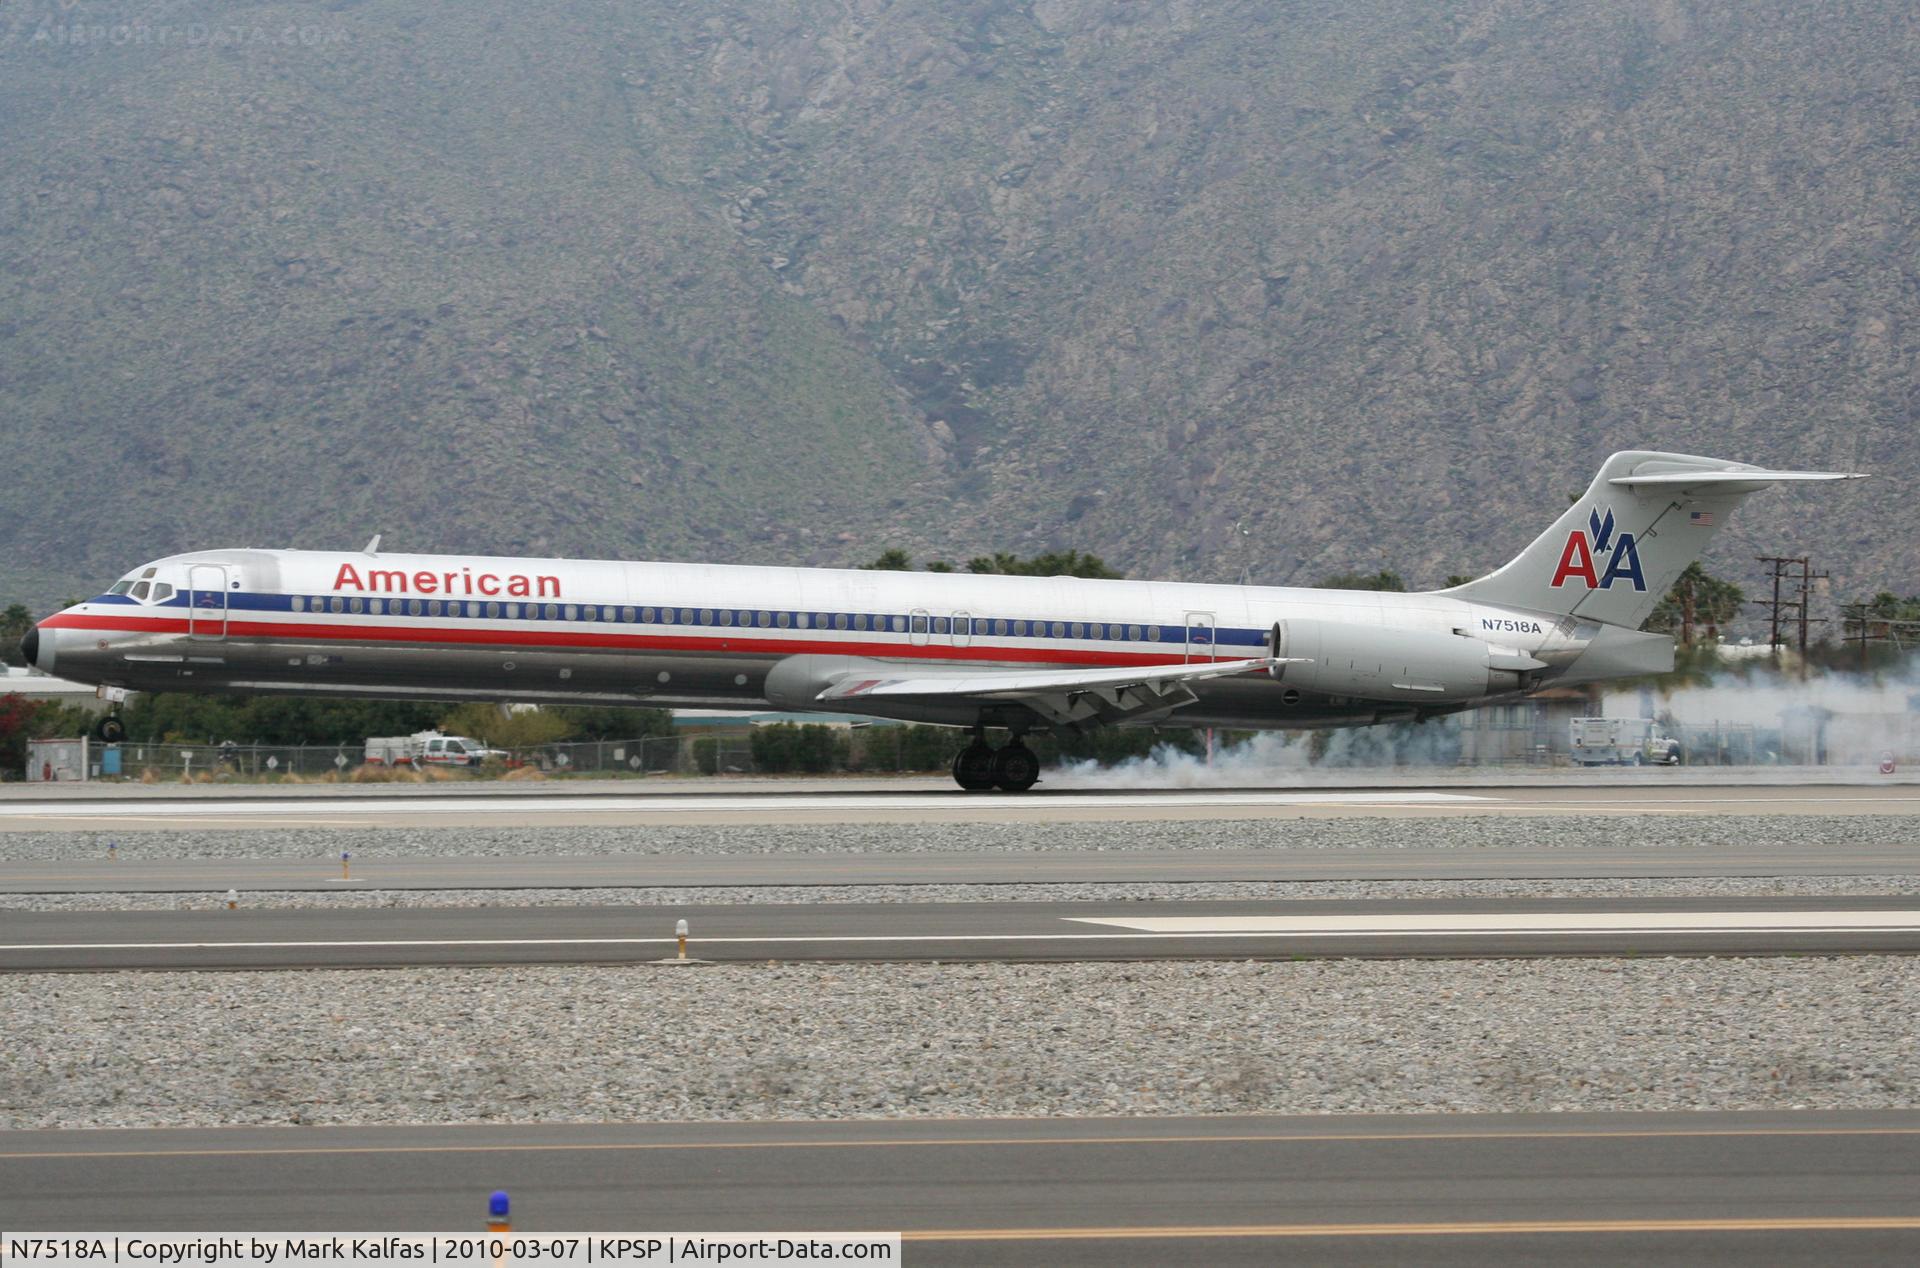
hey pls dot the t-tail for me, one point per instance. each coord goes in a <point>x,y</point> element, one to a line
<point>1619,548</point>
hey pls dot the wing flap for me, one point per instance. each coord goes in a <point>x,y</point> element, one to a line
<point>1020,684</point>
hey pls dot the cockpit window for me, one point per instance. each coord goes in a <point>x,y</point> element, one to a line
<point>162,592</point>
<point>149,572</point>
<point>140,591</point>
<point>121,587</point>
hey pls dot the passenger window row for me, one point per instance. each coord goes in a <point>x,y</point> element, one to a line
<point>724,618</point>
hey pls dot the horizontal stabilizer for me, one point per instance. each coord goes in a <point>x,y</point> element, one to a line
<point>1747,478</point>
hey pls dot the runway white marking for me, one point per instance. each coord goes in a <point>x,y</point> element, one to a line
<point>1542,922</point>
<point>1155,929</point>
<point>665,805</point>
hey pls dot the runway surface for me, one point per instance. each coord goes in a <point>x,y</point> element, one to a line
<point>216,938</point>
<point>130,874</point>
<point>464,806</point>
<point>1829,1188</point>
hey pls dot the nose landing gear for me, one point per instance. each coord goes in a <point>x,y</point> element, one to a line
<point>110,729</point>
<point>980,767</point>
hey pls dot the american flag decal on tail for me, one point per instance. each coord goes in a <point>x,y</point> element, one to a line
<point>1700,519</point>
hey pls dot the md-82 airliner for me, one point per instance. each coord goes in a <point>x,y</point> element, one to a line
<point>1022,654</point>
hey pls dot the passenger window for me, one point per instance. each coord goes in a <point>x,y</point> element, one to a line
<point>646,616</point>
<point>336,605</point>
<point>919,625</point>
<point>942,625</point>
<point>415,607</point>
<point>355,605</point>
<point>433,607</point>
<point>899,625</point>
<point>1019,629</point>
<point>589,613</point>
<point>299,603</point>
<point>1153,633</point>
<point>1079,630</point>
<point>377,606</point>
<point>840,620</point>
<point>800,619</point>
<point>764,619</point>
<point>627,615</point>
<point>553,612</point>
<point>1059,629</point>
<point>1000,628</point>
<point>860,620</point>
<point>513,611</point>
<point>726,616</point>
<point>573,613</point>
<point>493,610</point>
<point>784,619</point>
<point>706,616</point>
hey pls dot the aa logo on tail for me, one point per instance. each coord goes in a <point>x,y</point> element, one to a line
<point>1597,541</point>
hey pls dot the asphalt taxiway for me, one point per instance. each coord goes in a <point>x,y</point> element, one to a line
<point>466,805</point>
<point>128,873</point>
<point>1729,1188</point>
<point>217,938</point>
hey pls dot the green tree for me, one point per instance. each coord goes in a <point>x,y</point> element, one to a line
<point>1697,605</point>
<point>613,722</point>
<point>1070,563</point>
<point>892,559</point>
<point>518,729</point>
<point>14,624</point>
<point>159,717</point>
<point>1382,580</point>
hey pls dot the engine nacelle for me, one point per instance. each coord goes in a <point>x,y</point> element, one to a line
<point>1369,662</point>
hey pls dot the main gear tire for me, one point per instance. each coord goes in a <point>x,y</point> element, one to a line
<point>1015,768</point>
<point>973,768</point>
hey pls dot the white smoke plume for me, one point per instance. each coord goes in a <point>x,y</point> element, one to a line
<point>1271,759</point>
<point>1767,716</point>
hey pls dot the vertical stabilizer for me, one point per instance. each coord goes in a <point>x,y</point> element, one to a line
<point>1621,546</point>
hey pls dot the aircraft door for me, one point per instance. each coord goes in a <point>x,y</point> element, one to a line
<point>962,630</point>
<point>206,601</point>
<point>1201,631</point>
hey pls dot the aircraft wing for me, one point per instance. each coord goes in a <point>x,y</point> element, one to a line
<point>1066,696</point>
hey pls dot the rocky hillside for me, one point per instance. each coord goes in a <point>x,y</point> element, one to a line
<point>1378,282</point>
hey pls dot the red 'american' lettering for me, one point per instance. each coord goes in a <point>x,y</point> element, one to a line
<point>514,585</point>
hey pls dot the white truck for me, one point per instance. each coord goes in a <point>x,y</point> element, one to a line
<point>428,748</point>
<point>1622,742</point>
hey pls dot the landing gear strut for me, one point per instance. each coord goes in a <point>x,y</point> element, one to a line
<point>979,766</point>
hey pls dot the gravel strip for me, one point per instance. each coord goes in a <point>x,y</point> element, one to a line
<point>1475,832</point>
<point>873,1041</point>
<point>690,896</point>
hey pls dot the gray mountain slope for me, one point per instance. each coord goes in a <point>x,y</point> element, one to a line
<point>779,281</point>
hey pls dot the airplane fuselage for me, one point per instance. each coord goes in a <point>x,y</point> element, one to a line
<point>324,623</point>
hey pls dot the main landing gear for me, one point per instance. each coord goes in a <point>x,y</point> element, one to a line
<point>979,767</point>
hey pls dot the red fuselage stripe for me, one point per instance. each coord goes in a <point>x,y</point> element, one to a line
<point>565,640</point>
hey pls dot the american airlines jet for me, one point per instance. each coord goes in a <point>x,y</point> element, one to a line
<point>1022,654</point>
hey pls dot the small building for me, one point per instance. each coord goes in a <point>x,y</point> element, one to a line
<point>34,685</point>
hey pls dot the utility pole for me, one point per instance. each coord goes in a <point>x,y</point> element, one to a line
<point>1797,569</point>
